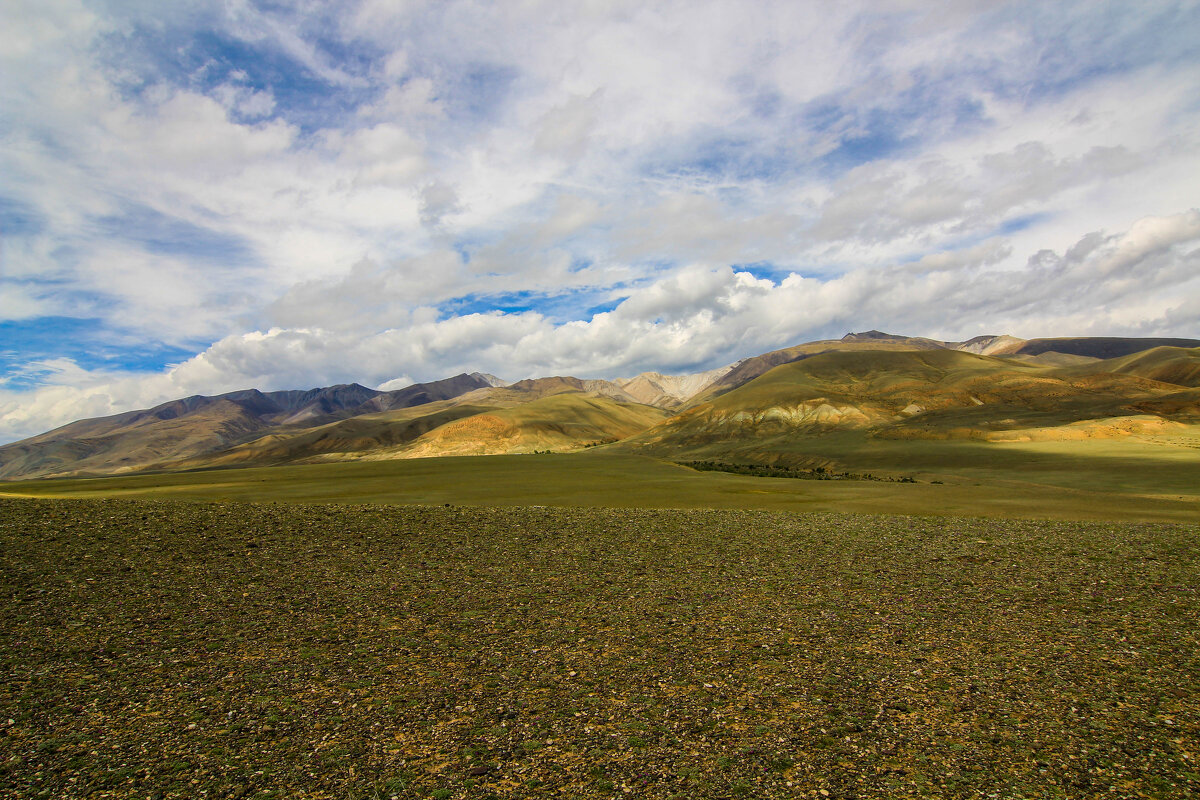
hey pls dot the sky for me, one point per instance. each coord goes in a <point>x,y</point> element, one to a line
<point>198,197</point>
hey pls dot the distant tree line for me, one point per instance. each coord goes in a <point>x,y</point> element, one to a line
<point>775,471</point>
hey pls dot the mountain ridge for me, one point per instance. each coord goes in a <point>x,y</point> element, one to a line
<point>873,383</point>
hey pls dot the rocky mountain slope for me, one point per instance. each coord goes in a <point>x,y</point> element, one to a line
<point>528,416</point>
<point>670,391</point>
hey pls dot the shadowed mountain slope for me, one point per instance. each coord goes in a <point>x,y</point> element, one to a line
<point>335,441</point>
<point>145,438</point>
<point>194,426</point>
<point>422,393</point>
<point>1098,346</point>
<point>1048,352</point>
<point>532,415</point>
<point>751,368</point>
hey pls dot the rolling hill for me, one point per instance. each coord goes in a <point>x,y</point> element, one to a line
<point>1175,365</point>
<point>334,441</point>
<point>537,416</point>
<point>559,422</point>
<point>795,412</point>
<point>817,403</point>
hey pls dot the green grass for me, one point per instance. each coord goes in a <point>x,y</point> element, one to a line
<point>1042,480</point>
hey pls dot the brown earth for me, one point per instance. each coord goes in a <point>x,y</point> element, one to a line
<point>184,650</point>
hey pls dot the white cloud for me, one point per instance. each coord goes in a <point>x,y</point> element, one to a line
<point>333,176</point>
<point>1149,238</point>
<point>413,103</point>
<point>372,296</point>
<point>245,101</point>
<point>395,383</point>
<point>21,302</point>
<point>565,129</point>
<point>1144,281</point>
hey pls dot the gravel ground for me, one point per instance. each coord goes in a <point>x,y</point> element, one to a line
<point>160,649</point>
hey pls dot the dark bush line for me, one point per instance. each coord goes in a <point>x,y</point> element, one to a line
<point>772,471</point>
<point>584,446</point>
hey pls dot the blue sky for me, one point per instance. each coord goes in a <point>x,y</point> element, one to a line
<point>206,196</point>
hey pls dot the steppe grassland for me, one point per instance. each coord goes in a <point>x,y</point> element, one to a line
<point>164,649</point>
<point>425,651</point>
<point>1041,480</point>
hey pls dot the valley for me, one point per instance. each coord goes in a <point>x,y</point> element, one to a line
<point>991,426</point>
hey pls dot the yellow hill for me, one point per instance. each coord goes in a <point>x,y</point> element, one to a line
<point>558,422</point>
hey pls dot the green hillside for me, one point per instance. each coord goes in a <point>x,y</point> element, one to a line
<point>1177,365</point>
<point>882,410</point>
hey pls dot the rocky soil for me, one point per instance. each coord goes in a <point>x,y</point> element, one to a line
<point>184,650</point>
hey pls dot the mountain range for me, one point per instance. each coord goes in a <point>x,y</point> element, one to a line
<point>786,407</point>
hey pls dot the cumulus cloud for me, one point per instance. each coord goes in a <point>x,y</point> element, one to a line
<point>1143,281</point>
<point>299,194</point>
<point>372,296</point>
<point>244,102</point>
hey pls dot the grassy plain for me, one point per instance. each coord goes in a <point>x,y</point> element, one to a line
<point>1102,479</point>
<point>602,624</point>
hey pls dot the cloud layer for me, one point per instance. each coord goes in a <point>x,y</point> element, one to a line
<point>208,196</point>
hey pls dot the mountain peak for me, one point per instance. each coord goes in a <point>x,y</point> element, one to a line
<point>490,379</point>
<point>867,335</point>
<point>669,391</point>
